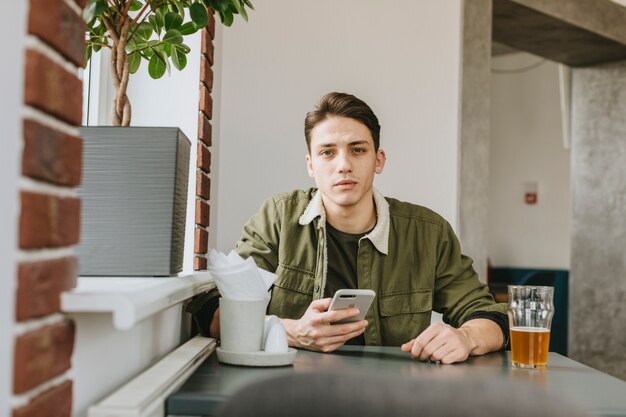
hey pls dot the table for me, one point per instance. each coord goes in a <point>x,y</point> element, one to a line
<point>213,383</point>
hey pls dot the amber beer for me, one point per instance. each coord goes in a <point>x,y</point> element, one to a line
<point>529,346</point>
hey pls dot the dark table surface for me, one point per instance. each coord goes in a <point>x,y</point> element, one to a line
<point>212,383</point>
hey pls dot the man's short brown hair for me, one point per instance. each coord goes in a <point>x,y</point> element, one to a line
<point>345,105</point>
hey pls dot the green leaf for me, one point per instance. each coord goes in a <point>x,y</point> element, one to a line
<point>242,10</point>
<point>238,9</point>
<point>188,28</point>
<point>173,36</point>
<point>134,60</point>
<point>160,19</point>
<point>165,58</point>
<point>156,66</point>
<point>94,9</point>
<point>227,18</point>
<point>144,31</point>
<point>179,59</point>
<point>221,5</point>
<point>199,14</point>
<point>164,7</point>
<point>136,43</point>
<point>173,21</point>
<point>167,48</point>
<point>250,6</point>
<point>179,7</point>
<point>96,48</point>
<point>183,48</point>
<point>135,5</point>
<point>153,22</point>
<point>100,30</point>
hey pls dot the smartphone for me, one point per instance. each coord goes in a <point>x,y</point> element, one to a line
<point>345,298</point>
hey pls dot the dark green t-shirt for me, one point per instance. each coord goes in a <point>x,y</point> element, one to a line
<point>342,252</point>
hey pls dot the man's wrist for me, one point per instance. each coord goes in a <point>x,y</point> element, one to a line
<point>469,332</point>
<point>214,327</point>
<point>288,325</point>
<point>485,335</point>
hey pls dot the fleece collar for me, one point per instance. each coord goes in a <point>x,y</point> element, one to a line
<point>379,236</point>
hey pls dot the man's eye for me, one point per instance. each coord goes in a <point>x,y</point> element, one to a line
<point>359,150</point>
<point>326,152</point>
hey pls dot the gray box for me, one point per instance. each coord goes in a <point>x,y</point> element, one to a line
<point>133,201</point>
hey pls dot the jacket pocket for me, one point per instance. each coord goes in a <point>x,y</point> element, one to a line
<point>292,292</point>
<point>404,315</point>
<point>409,302</point>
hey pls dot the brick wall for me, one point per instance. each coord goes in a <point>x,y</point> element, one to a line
<point>203,167</point>
<point>49,216</point>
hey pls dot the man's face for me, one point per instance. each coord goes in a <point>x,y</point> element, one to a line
<point>342,160</point>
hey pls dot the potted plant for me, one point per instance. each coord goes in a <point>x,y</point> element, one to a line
<point>150,30</point>
<point>134,187</point>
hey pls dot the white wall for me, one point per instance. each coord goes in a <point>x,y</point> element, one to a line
<point>526,145</point>
<point>11,103</point>
<point>402,59</point>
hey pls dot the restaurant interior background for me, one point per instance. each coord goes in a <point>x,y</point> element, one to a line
<point>446,150</point>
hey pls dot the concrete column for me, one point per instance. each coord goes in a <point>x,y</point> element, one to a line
<point>473,198</point>
<point>597,303</point>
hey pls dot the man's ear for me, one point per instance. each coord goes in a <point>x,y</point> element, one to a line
<point>309,165</point>
<point>381,157</point>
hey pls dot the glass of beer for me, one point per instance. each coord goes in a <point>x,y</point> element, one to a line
<point>530,315</point>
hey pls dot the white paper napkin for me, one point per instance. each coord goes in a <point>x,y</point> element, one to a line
<point>237,278</point>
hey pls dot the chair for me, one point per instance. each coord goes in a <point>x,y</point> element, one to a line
<point>361,395</point>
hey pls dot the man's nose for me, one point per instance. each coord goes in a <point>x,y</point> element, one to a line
<point>344,164</point>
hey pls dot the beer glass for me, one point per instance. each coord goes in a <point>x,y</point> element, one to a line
<point>530,316</point>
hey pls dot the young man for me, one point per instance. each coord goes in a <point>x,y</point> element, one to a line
<point>345,234</point>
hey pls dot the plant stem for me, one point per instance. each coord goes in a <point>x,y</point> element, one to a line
<point>91,43</point>
<point>119,72</point>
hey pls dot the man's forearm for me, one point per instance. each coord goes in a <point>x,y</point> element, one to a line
<point>484,335</point>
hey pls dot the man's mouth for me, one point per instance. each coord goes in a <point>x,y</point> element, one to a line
<point>345,184</point>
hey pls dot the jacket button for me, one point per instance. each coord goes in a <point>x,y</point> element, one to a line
<point>317,287</point>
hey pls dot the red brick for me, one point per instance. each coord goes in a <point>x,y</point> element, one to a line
<point>204,158</point>
<point>40,285</point>
<point>206,102</point>
<point>203,186</point>
<point>58,25</point>
<point>199,264</point>
<point>42,354</point>
<point>211,26</point>
<point>202,213</point>
<point>206,74</point>
<point>208,50</point>
<point>48,221</point>
<point>54,402</point>
<point>205,130</point>
<point>49,87</point>
<point>201,241</point>
<point>51,155</point>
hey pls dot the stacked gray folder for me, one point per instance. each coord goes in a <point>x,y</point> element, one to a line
<point>133,201</point>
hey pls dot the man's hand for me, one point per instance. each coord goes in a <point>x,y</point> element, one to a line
<point>445,344</point>
<point>315,331</point>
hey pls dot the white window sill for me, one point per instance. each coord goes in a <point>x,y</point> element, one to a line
<point>145,395</point>
<point>132,299</point>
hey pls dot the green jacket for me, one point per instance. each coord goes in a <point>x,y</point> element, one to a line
<point>412,259</point>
